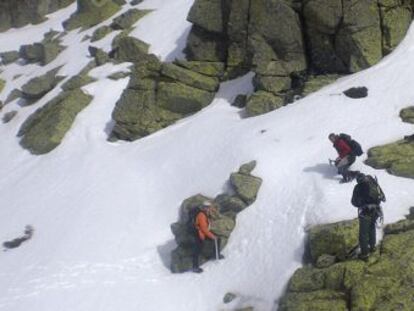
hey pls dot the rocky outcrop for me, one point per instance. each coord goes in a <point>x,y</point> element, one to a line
<point>159,94</point>
<point>43,52</point>
<point>222,222</point>
<point>46,127</point>
<point>280,39</point>
<point>382,283</point>
<point>39,86</point>
<point>20,13</point>
<point>79,80</point>
<point>91,13</point>
<point>398,157</point>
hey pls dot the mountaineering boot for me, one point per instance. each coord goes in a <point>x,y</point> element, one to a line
<point>372,249</point>
<point>220,256</point>
<point>363,257</point>
<point>197,270</point>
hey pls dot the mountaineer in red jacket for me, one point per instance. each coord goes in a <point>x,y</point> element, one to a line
<point>345,157</point>
<point>202,226</point>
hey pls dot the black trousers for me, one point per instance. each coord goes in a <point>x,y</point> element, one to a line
<point>197,249</point>
<point>367,231</point>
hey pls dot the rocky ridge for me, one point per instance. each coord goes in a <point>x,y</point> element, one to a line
<point>334,281</point>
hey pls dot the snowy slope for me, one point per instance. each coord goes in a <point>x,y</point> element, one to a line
<point>102,211</point>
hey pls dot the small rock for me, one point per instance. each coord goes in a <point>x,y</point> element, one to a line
<point>356,92</point>
<point>229,297</point>
<point>100,33</point>
<point>240,101</point>
<point>9,57</point>
<point>247,168</point>
<point>8,116</point>
<point>128,19</point>
<point>136,2</point>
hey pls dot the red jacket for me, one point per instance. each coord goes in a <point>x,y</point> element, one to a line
<point>202,224</point>
<point>342,147</point>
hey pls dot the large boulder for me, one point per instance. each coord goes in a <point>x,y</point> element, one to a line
<point>222,223</point>
<point>205,46</point>
<point>43,52</point>
<point>91,13</point>
<point>45,128</point>
<point>39,86</point>
<point>333,239</point>
<point>359,39</point>
<point>160,94</point>
<point>130,49</point>
<point>20,13</point>
<point>211,69</point>
<point>397,158</point>
<point>382,283</point>
<point>246,186</point>
<point>396,17</point>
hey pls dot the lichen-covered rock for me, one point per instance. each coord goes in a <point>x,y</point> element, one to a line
<point>356,92</point>
<point>246,186</point>
<point>13,95</point>
<point>39,86</point>
<point>383,283</point>
<point>128,19</point>
<point>205,46</point>
<point>181,98</point>
<point>247,168</point>
<point>322,300</point>
<point>19,13</point>
<point>222,223</point>
<point>9,57</point>
<point>44,52</point>
<point>130,49</point>
<point>333,239</point>
<point>137,115</point>
<point>315,83</point>
<point>189,77</point>
<point>100,33</point>
<point>359,41</point>
<point>208,14</point>
<point>396,17</point>
<point>407,114</point>
<point>91,13</point>
<point>211,69</point>
<point>262,102</point>
<point>45,128</point>
<point>272,84</point>
<point>101,57</point>
<point>397,158</point>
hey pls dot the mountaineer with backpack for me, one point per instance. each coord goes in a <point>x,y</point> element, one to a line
<point>199,221</point>
<point>348,149</point>
<point>367,197</point>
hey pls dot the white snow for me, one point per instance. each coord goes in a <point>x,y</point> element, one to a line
<point>102,211</point>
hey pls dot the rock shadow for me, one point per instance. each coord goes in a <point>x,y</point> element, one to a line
<point>165,252</point>
<point>327,171</point>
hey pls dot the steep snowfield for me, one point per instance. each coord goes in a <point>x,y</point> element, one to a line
<point>102,211</point>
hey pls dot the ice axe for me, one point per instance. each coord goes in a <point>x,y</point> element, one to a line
<point>216,248</point>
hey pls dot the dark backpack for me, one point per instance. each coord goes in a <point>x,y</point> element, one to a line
<point>353,144</point>
<point>375,193</point>
<point>192,215</point>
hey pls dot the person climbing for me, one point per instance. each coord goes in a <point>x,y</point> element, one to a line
<point>346,156</point>
<point>367,197</point>
<point>202,232</point>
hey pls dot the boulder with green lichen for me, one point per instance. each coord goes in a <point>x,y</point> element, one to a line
<point>262,102</point>
<point>91,13</point>
<point>212,69</point>
<point>128,19</point>
<point>129,49</point>
<point>9,57</point>
<point>44,130</point>
<point>39,86</point>
<point>407,114</point>
<point>101,33</point>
